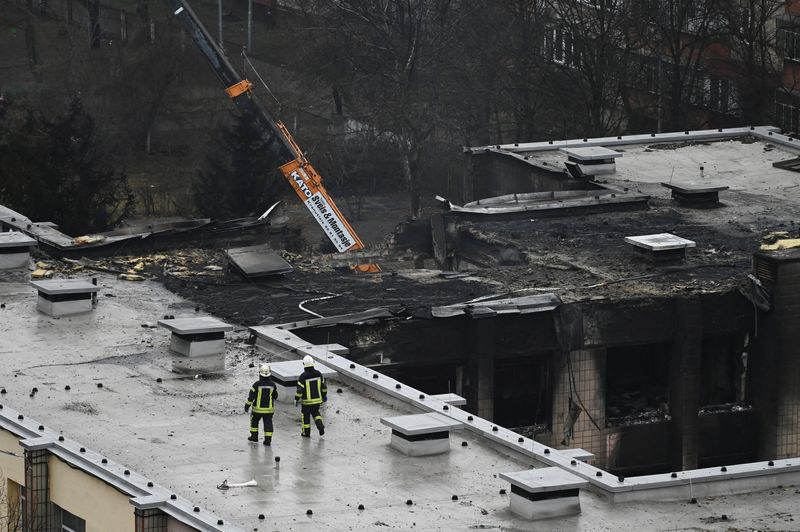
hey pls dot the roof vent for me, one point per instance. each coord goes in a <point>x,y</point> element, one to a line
<point>590,161</point>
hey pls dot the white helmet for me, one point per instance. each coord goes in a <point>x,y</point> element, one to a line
<point>308,361</point>
<point>264,370</point>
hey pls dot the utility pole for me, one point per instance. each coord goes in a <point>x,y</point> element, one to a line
<point>219,23</point>
<point>658,85</point>
<point>249,26</point>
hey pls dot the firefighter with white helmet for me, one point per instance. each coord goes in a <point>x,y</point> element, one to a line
<point>262,398</point>
<point>311,393</point>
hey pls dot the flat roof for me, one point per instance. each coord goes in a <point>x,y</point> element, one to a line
<point>584,256</point>
<point>188,434</point>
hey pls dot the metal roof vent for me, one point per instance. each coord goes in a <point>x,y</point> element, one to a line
<point>590,161</point>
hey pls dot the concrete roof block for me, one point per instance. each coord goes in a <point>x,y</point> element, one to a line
<point>64,286</point>
<point>544,479</point>
<point>199,325</point>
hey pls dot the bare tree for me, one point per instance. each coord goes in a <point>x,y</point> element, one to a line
<point>391,62</point>
<point>681,32</point>
<point>591,44</point>
<point>500,69</point>
<point>10,507</point>
<point>756,66</point>
<point>146,77</point>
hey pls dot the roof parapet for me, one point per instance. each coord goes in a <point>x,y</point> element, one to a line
<point>738,478</point>
<point>770,133</point>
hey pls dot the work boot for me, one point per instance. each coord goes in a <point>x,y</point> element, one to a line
<point>320,426</point>
<point>253,437</point>
<point>267,441</point>
<point>306,434</point>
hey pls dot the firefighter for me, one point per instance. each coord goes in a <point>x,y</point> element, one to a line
<point>262,398</point>
<point>311,393</point>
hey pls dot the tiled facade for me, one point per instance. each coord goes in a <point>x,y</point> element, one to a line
<point>580,379</point>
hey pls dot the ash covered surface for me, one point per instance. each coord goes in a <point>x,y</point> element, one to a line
<point>277,300</point>
<point>583,257</point>
<point>577,258</point>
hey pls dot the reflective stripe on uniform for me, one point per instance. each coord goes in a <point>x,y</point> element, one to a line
<point>313,391</point>
<point>264,392</point>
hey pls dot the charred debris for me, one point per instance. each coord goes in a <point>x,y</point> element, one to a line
<point>528,301</point>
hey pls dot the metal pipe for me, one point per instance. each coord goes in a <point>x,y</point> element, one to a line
<point>219,22</point>
<point>249,26</point>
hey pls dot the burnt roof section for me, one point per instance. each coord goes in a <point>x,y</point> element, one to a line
<point>584,256</point>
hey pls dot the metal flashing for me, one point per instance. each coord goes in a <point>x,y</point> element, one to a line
<point>624,140</point>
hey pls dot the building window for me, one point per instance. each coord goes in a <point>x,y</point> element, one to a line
<point>715,94</point>
<point>789,43</point>
<point>67,522</point>
<point>643,73</point>
<point>637,384</point>
<point>559,47</point>
<point>723,371</point>
<point>787,117</point>
<point>723,96</point>
<point>522,393</point>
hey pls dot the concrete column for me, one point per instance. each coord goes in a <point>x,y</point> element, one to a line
<point>37,511</point>
<point>480,366</point>
<point>684,381</point>
<point>774,363</point>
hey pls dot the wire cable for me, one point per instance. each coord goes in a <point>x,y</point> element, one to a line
<point>264,83</point>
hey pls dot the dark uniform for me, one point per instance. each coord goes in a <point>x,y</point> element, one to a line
<point>311,393</point>
<point>262,399</point>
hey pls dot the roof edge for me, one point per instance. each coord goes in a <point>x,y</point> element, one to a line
<point>761,132</point>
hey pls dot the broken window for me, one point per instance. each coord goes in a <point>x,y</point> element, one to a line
<point>522,392</point>
<point>637,384</point>
<point>723,373</point>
